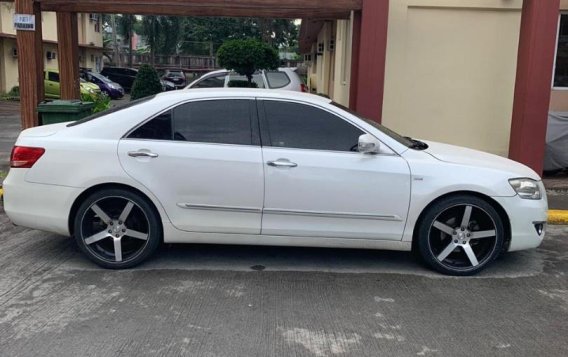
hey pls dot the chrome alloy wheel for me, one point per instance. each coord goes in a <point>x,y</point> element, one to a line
<point>115,229</point>
<point>463,237</point>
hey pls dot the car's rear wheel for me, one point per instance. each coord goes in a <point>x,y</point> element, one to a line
<point>460,235</point>
<point>117,228</point>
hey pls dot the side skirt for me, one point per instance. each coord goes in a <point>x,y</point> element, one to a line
<point>173,235</point>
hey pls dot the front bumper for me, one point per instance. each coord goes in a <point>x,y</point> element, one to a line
<point>38,206</point>
<point>523,216</point>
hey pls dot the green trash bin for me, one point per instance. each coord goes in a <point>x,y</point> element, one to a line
<point>60,111</point>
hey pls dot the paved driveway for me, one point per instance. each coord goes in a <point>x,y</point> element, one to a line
<point>198,300</point>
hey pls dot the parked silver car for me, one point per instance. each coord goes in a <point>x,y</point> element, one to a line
<point>284,78</point>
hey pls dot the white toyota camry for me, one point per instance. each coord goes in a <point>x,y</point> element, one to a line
<point>239,166</point>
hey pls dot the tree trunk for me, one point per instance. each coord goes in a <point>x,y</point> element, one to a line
<point>130,33</point>
<point>117,58</point>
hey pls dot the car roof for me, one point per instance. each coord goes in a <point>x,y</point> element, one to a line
<point>201,93</point>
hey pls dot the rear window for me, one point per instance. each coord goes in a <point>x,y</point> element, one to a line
<point>212,82</point>
<point>256,78</point>
<point>111,110</point>
<point>277,79</point>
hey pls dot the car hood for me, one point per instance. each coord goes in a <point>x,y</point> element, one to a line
<point>474,158</point>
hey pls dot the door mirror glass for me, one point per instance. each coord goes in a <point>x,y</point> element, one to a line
<point>368,144</point>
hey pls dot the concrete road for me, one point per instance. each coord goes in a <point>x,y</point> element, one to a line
<point>198,300</point>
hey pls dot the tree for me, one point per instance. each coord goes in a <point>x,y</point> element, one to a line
<point>213,31</point>
<point>163,34</point>
<point>247,56</point>
<point>147,83</point>
<point>125,26</point>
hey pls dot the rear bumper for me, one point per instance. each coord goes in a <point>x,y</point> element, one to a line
<point>523,215</point>
<point>38,206</point>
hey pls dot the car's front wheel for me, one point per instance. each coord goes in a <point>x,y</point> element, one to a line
<point>460,235</point>
<point>117,228</point>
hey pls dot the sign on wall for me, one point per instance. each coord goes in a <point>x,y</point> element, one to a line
<point>24,22</point>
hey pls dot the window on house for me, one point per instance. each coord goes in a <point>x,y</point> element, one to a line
<point>561,68</point>
<point>97,26</point>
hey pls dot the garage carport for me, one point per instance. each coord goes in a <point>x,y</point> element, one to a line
<point>534,67</point>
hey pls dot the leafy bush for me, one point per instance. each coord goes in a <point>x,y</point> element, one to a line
<point>247,56</point>
<point>14,92</point>
<point>242,84</point>
<point>147,83</point>
<point>101,101</point>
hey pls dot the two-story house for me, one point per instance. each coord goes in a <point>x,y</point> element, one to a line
<point>90,44</point>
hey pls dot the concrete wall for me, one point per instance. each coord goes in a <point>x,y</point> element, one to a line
<point>450,72</point>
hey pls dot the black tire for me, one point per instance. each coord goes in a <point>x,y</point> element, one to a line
<point>106,240</point>
<point>448,249</point>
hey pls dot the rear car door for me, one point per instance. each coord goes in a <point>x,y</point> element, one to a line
<point>203,161</point>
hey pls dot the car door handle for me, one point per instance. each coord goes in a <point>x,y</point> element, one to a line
<point>282,163</point>
<point>142,154</point>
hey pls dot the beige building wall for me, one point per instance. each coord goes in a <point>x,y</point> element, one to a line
<point>342,67</point>
<point>9,66</point>
<point>450,71</point>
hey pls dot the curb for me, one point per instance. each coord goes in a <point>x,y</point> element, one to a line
<point>557,216</point>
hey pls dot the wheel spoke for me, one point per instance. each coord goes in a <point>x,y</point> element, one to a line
<point>96,237</point>
<point>136,234</point>
<point>117,250</point>
<point>126,211</point>
<point>449,249</point>
<point>444,227</point>
<point>470,254</point>
<point>483,234</point>
<point>101,214</point>
<point>466,216</point>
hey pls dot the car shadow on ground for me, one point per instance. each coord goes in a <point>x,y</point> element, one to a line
<point>215,257</point>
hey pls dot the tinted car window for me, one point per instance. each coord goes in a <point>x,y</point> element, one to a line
<point>52,76</point>
<point>277,79</point>
<point>214,121</point>
<point>300,126</point>
<point>256,78</point>
<point>159,128</point>
<point>212,82</point>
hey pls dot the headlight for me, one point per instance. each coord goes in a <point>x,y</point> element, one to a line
<point>526,188</point>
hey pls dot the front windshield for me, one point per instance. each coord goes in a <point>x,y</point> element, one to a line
<point>394,135</point>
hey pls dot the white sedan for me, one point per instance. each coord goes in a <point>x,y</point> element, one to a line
<point>243,166</point>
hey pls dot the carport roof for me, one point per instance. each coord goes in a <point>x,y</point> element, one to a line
<point>320,9</point>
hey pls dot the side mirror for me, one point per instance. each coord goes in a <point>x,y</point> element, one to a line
<point>368,144</point>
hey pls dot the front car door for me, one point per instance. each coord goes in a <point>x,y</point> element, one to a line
<point>318,185</point>
<point>203,161</point>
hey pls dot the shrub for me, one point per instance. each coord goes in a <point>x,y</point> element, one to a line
<point>247,56</point>
<point>147,83</point>
<point>14,92</point>
<point>101,101</point>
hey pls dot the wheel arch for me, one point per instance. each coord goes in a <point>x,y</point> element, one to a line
<point>110,185</point>
<point>500,210</point>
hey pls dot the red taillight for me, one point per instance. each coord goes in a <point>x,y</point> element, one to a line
<point>304,88</point>
<point>25,157</point>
